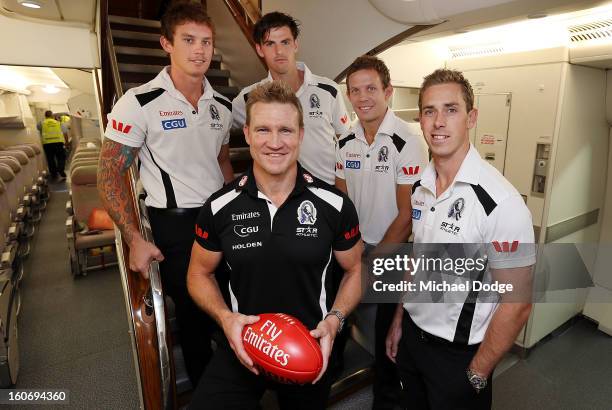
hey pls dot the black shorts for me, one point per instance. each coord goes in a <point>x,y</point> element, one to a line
<point>227,384</point>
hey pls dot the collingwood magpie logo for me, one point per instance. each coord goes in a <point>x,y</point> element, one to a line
<point>214,113</point>
<point>383,154</point>
<point>307,213</point>
<point>314,101</point>
<point>456,209</point>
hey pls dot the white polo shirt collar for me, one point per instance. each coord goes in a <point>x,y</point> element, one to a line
<point>469,171</point>
<point>387,127</point>
<point>163,80</point>
<point>308,78</point>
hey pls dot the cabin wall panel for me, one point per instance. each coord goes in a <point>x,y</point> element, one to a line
<point>46,45</point>
<point>582,147</point>
<point>535,93</point>
<point>331,35</point>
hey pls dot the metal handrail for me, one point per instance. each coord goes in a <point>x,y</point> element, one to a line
<point>155,291</point>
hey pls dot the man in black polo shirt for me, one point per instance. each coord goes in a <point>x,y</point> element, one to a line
<point>277,227</point>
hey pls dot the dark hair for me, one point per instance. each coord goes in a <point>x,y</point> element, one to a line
<point>181,12</point>
<point>366,62</point>
<point>48,114</point>
<point>445,76</point>
<point>274,92</point>
<point>272,20</point>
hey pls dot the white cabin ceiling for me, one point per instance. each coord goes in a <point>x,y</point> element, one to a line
<point>68,11</point>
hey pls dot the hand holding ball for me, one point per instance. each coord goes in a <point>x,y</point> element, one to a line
<point>283,349</point>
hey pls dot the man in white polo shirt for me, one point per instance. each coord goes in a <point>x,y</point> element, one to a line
<point>178,126</point>
<point>377,162</point>
<point>446,352</point>
<point>325,116</point>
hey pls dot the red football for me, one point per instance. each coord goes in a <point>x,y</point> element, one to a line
<point>282,348</point>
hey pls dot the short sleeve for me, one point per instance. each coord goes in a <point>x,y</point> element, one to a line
<point>239,110</point>
<point>340,118</point>
<point>126,122</point>
<point>347,233</point>
<point>205,233</point>
<point>412,160</point>
<point>509,235</point>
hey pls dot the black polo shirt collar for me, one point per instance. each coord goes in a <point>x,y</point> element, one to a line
<point>247,182</point>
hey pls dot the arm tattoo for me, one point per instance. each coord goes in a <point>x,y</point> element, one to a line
<point>115,161</point>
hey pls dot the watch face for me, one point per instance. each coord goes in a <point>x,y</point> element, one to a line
<point>477,382</point>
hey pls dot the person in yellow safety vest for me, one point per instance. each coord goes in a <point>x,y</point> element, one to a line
<point>53,143</point>
<point>64,120</point>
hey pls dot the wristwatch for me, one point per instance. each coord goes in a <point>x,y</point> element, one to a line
<point>477,382</point>
<point>340,317</point>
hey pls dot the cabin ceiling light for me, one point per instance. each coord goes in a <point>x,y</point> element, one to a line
<point>31,4</point>
<point>51,89</point>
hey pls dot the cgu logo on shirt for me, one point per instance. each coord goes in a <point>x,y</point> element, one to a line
<point>174,124</point>
<point>244,231</point>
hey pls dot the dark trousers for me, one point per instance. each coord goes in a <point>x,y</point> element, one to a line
<point>228,385</point>
<point>433,372</point>
<point>56,158</point>
<point>173,232</point>
<point>387,387</point>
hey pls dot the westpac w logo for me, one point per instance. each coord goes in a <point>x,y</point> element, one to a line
<point>506,246</point>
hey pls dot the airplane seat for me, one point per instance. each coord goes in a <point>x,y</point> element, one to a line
<point>11,208</point>
<point>23,199</point>
<point>9,229</point>
<point>86,155</point>
<point>40,181</point>
<point>90,247</point>
<point>8,178</point>
<point>20,229</point>
<point>30,169</point>
<point>40,160</point>
<point>5,216</point>
<point>10,302</point>
<point>83,161</point>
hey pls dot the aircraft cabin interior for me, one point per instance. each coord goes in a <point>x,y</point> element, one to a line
<point>78,324</point>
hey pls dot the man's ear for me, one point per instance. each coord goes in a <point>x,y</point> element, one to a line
<point>472,118</point>
<point>247,137</point>
<point>166,44</point>
<point>259,51</point>
<point>388,92</point>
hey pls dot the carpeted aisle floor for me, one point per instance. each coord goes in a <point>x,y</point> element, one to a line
<point>73,333</point>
